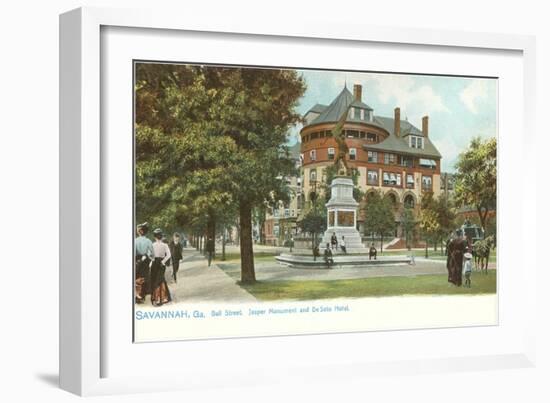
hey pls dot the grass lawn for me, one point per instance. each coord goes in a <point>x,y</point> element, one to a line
<point>370,287</point>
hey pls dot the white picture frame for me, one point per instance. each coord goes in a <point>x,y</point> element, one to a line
<point>83,343</point>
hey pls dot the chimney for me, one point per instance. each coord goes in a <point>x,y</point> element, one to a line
<point>425,126</point>
<point>358,92</point>
<point>397,122</point>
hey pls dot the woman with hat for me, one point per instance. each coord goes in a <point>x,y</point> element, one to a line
<point>143,255</point>
<point>159,288</point>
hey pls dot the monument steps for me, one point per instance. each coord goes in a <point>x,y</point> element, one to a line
<point>343,260</point>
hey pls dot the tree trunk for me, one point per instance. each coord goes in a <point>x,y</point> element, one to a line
<point>482,217</point>
<point>238,239</point>
<point>381,242</point>
<point>223,243</point>
<point>211,231</point>
<point>426,248</point>
<point>262,227</point>
<point>248,275</point>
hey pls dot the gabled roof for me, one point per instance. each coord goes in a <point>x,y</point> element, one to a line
<point>406,127</point>
<point>317,108</point>
<point>393,143</point>
<point>334,111</point>
<point>400,145</point>
<point>362,105</point>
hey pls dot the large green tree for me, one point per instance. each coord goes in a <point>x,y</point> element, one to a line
<point>379,215</point>
<point>408,222</point>
<point>429,226</point>
<point>180,175</point>
<point>446,218</point>
<point>210,138</point>
<point>476,178</point>
<point>314,222</point>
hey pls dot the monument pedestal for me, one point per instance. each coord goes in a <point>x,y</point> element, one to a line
<point>342,216</point>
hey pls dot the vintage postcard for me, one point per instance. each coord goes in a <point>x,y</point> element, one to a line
<point>281,201</point>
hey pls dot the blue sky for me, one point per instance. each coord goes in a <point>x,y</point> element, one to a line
<point>459,108</point>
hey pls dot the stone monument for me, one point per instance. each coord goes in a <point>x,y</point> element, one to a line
<point>342,216</point>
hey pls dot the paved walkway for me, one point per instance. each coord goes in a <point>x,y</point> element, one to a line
<point>199,283</point>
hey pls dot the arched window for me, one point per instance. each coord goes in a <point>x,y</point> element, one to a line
<point>299,201</point>
<point>409,201</point>
<point>369,196</point>
<point>392,198</point>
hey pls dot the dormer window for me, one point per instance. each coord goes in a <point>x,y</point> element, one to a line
<point>362,114</point>
<point>352,113</point>
<point>416,142</point>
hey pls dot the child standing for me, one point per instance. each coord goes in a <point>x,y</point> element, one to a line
<point>467,269</point>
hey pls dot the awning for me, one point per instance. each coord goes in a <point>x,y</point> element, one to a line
<point>427,163</point>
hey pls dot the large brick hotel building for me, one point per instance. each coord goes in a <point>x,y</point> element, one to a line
<point>390,154</point>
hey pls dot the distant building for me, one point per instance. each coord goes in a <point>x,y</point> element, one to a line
<point>280,222</point>
<point>447,184</point>
<point>390,154</point>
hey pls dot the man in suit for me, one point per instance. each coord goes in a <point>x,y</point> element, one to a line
<point>176,251</point>
<point>210,249</point>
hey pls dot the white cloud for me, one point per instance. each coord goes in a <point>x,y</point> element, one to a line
<point>403,91</point>
<point>476,91</point>
<point>293,135</point>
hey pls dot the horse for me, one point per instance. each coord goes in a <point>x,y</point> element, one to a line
<point>481,252</point>
<point>455,252</point>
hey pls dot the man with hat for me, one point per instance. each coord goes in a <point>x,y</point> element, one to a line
<point>143,256</point>
<point>176,250</point>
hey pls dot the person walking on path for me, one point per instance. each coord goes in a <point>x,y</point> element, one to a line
<point>372,251</point>
<point>467,269</point>
<point>160,294</point>
<point>412,261</point>
<point>143,256</point>
<point>328,256</point>
<point>176,251</point>
<point>210,250</point>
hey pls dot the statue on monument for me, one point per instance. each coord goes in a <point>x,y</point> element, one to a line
<point>341,164</point>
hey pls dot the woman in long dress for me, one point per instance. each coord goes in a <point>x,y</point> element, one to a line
<point>143,256</point>
<point>160,294</point>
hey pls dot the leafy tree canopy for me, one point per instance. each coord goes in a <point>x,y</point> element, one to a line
<point>476,178</point>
